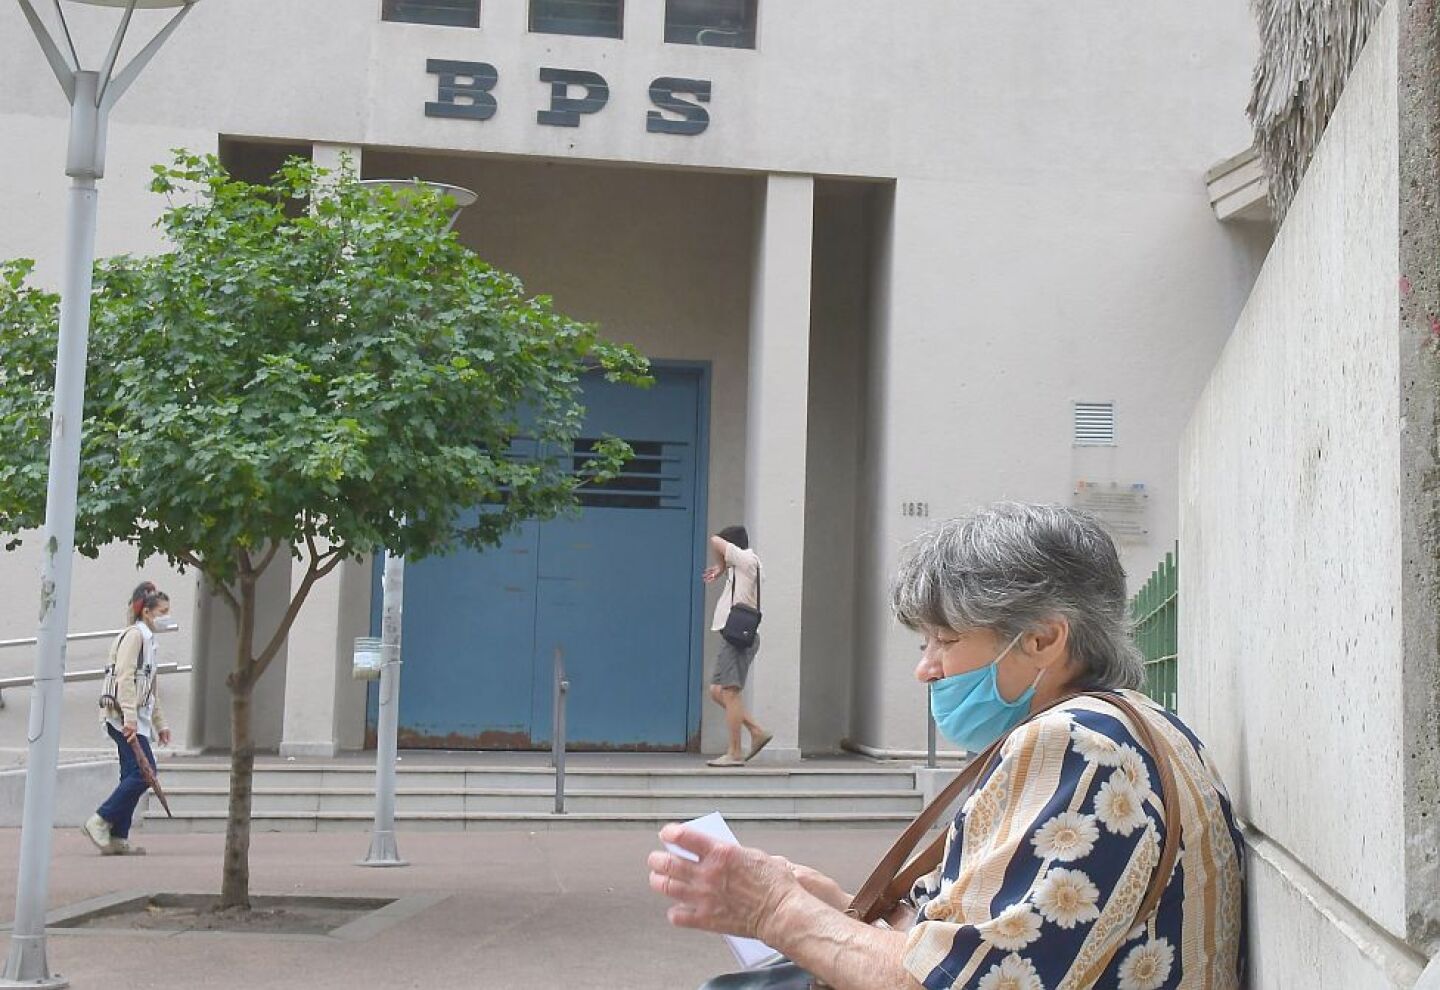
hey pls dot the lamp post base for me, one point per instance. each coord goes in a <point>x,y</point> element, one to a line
<point>28,967</point>
<point>383,851</point>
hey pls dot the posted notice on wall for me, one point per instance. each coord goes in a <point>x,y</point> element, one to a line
<point>1123,508</point>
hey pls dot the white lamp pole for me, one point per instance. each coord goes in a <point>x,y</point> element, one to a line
<point>91,94</point>
<point>384,851</point>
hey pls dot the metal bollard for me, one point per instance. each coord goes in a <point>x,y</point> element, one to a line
<point>557,751</point>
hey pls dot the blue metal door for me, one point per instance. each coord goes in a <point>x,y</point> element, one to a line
<point>614,586</point>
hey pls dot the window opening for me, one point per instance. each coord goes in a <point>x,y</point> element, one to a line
<point>447,13</point>
<point>715,23</point>
<point>592,18</point>
<point>640,484</point>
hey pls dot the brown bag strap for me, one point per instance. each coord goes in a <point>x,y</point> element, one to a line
<point>892,879</point>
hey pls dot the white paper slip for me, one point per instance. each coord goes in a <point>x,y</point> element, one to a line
<point>749,951</point>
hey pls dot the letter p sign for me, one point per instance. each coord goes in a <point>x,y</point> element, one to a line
<point>565,110</point>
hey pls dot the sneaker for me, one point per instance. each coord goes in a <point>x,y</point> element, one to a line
<point>97,830</point>
<point>122,847</point>
<point>725,761</point>
<point>757,743</point>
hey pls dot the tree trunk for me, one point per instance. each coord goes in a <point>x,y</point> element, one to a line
<point>235,882</point>
<point>235,885</point>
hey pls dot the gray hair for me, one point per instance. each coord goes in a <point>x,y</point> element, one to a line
<point>1013,566</point>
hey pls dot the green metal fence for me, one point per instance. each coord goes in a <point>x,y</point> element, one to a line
<point>1156,609</point>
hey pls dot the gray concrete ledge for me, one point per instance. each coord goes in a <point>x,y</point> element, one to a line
<point>80,788</point>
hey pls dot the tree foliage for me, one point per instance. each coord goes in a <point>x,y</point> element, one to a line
<point>315,362</point>
<point>316,368</point>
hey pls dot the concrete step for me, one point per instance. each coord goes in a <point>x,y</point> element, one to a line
<point>652,780</point>
<point>340,796</point>
<point>157,823</point>
<point>580,800</point>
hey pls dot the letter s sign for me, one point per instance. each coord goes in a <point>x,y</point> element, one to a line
<point>693,118</point>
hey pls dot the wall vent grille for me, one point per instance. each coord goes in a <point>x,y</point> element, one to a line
<point>1094,424</point>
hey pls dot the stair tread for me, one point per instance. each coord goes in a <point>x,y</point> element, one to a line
<point>570,771</point>
<point>619,793</point>
<point>531,815</point>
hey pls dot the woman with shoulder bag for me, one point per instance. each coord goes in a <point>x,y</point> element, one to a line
<point>737,620</point>
<point>130,710</point>
<point>1095,846</point>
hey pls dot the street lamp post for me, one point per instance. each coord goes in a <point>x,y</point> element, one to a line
<point>91,93</point>
<point>384,851</point>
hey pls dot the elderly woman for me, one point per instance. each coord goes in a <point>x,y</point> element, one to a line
<point>1046,865</point>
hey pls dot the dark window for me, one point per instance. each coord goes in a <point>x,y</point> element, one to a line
<point>595,18</point>
<point>450,13</point>
<point>718,23</point>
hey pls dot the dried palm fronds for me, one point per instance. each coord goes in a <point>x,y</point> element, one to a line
<point>1307,49</point>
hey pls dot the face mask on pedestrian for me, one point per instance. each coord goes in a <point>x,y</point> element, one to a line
<point>969,709</point>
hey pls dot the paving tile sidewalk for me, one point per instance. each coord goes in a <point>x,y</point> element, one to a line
<point>521,910</point>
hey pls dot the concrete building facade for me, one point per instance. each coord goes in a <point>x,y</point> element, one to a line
<point>924,256</point>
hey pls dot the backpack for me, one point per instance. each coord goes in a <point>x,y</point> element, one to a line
<point>109,689</point>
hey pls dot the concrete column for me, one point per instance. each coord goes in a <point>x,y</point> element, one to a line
<point>312,677</point>
<point>311,673</point>
<point>776,439</point>
<point>214,659</point>
<point>331,155</point>
<point>324,704</point>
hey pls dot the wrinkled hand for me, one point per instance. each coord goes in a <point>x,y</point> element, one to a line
<point>732,889</point>
<point>712,573</point>
<point>819,885</point>
<point>128,731</point>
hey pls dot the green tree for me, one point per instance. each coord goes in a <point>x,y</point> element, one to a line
<point>316,369</point>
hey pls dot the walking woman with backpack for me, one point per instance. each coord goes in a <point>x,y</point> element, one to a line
<point>130,710</point>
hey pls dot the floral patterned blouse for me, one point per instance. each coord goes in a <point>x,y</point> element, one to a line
<point>1052,853</point>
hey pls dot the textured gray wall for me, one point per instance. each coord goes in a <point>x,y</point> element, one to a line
<point>1307,569</point>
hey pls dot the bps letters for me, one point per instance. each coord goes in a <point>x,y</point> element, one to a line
<point>466,91</point>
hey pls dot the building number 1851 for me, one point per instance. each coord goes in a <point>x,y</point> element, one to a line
<point>918,510</point>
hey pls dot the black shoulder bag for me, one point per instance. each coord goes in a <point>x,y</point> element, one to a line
<point>743,623</point>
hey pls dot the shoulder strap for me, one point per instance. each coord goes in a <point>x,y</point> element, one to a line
<point>757,584</point>
<point>892,879</point>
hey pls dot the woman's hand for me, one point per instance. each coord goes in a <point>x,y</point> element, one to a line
<point>732,889</point>
<point>710,574</point>
<point>164,737</point>
<point>819,885</point>
<point>128,730</point>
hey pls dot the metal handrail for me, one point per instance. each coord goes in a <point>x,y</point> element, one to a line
<point>83,675</point>
<point>72,638</point>
<point>88,675</point>
<point>557,742</point>
<point>75,675</point>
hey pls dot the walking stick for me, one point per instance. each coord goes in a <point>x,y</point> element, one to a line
<point>148,772</point>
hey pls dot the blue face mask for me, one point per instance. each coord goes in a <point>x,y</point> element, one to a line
<point>968,707</point>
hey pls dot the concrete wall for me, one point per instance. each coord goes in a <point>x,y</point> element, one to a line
<point>1046,239</point>
<point>1297,667</point>
<point>1006,302</point>
<point>935,91</point>
<point>80,788</point>
<point>97,602</point>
